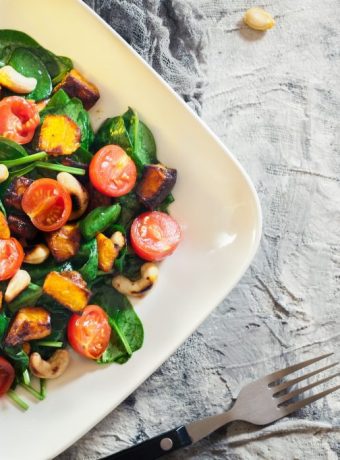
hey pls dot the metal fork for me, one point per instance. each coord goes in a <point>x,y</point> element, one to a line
<point>260,402</point>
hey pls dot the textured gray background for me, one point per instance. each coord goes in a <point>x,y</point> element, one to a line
<point>274,99</point>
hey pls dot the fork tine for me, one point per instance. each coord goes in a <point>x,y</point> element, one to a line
<point>292,394</point>
<point>286,410</point>
<point>271,378</point>
<point>289,383</point>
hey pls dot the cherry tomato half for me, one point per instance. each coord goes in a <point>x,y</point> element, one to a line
<point>7,375</point>
<point>112,171</point>
<point>11,257</point>
<point>47,204</point>
<point>89,334</point>
<point>154,235</point>
<point>18,119</point>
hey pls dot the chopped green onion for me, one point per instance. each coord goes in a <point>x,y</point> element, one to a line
<point>26,377</point>
<point>60,167</point>
<point>43,387</point>
<point>33,392</point>
<point>46,343</point>
<point>17,400</point>
<point>26,159</point>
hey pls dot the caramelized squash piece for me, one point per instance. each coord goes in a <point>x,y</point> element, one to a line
<point>106,253</point>
<point>67,288</point>
<point>1,299</point>
<point>4,228</point>
<point>156,183</point>
<point>15,191</point>
<point>30,323</point>
<point>76,85</point>
<point>22,227</point>
<point>59,135</point>
<point>64,243</point>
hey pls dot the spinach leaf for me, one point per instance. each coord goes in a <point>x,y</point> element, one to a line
<point>113,131</point>
<point>132,135</point>
<point>82,155</point>
<point>57,66</point>
<point>144,146</point>
<point>57,101</point>
<point>127,329</point>
<point>18,358</point>
<point>29,65</point>
<point>131,207</point>
<point>4,321</point>
<point>90,268</point>
<point>10,150</point>
<point>27,298</point>
<point>129,264</point>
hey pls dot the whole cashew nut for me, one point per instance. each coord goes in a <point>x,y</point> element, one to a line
<point>16,81</point>
<point>77,192</point>
<point>37,255</point>
<point>53,367</point>
<point>149,275</point>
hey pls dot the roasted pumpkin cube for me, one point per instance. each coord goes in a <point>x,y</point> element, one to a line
<point>64,243</point>
<point>30,323</point>
<point>67,288</point>
<point>156,183</point>
<point>15,191</point>
<point>1,299</point>
<point>76,85</point>
<point>22,227</point>
<point>4,228</point>
<point>106,253</point>
<point>59,135</point>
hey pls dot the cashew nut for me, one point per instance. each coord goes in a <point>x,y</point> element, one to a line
<point>149,275</point>
<point>118,241</point>
<point>258,19</point>
<point>53,367</point>
<point>37,255</point>
<point>79,195</point>
<point>17,284</point>
<point>15,81</point>
<point>4,173</point>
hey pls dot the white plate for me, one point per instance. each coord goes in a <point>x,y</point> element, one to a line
<point>216,205</point>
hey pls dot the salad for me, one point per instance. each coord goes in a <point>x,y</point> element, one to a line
<point>83,220</point>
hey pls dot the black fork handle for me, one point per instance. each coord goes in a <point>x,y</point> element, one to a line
<point>156,447</point>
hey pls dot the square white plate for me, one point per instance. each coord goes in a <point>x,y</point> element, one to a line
<point>216,205</point>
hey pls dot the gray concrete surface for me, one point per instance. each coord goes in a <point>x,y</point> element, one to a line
<point>274,99</point>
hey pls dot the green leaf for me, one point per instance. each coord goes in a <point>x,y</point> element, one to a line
<point>28,298</point>
<point>2,209</point>
<point>4,322</point>
<point>131,208</point>
<point>10,150</point>
<point>29,65</point>
<point>57,101</point>
<point>144,146</point>
<point>57,66</point>
<point>113,131</point>
<point>18,358</point>
<point>127,330</point>
<point>90,268</point>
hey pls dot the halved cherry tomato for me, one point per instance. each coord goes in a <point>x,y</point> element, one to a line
<point>47,204</point>
<point>112,171</point>
<point>89,334</point>
<point>11,257</point>
<point>7,375</point>
<point>18,119</point>
<point>154,235</point>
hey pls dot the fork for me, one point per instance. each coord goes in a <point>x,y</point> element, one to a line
<point>260,402</point>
